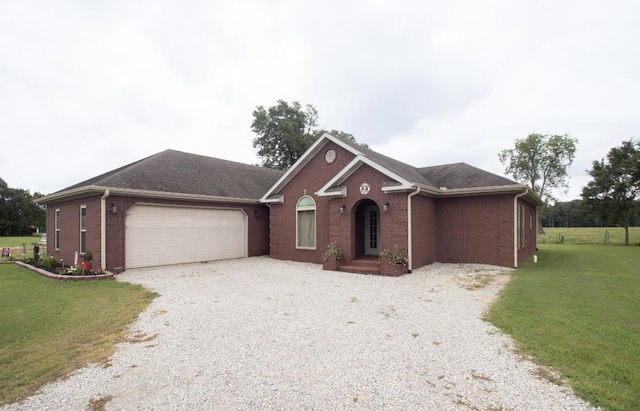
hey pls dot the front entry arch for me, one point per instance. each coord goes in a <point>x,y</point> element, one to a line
<point>367,235</point>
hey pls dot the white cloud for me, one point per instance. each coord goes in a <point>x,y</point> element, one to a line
<point>86,87</point>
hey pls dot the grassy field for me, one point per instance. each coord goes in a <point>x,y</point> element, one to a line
<point>50,328</point>
<point>589,235</point>
<point>19,245</point>
<point>578,310</point>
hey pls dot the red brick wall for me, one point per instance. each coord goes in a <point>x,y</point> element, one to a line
<point>258,228</point>
<point>393,223</point>
<point>330,224</point>
<point>424,230</point>
<point>476,230</point>
<point>307,182</point>
<point>70,229</point>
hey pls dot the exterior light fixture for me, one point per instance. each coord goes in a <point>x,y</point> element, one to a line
<point>385,207</point>
<point>256,213</point>
<point>114,208</point>
<point>343,209</point>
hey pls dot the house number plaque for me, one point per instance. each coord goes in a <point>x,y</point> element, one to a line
<point>364,188</point>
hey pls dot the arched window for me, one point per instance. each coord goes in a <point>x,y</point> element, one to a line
<point>306,223</point>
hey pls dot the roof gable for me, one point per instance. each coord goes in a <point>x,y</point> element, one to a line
<point>446,180</point>
<point>397,171</point>
<point>272,195</point>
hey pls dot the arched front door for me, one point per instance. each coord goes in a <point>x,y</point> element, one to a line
<point>371,230</point>
<point>367,233</point>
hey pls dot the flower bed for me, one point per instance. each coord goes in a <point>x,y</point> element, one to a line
<point>60,272</point>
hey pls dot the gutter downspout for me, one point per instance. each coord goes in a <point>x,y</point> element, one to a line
<point>515,226</point>
<point>409,231</point>
<point>103,230</point>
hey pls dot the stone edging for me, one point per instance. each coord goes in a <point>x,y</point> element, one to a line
<point>58,277</point>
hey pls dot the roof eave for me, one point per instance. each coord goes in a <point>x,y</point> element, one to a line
<point>125,192</point>
<point>279,199</point>
<point>474,191</point>
<point>336,192</point>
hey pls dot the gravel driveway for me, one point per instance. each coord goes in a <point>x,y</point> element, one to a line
<point>259,333</point>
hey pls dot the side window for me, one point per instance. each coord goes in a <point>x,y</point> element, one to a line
<point>83,229</point>
<point>531,222</point>
<point>56,238</point>
<point>306,223</point>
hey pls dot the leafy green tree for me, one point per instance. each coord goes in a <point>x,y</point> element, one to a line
<point>615,188</point>
<point>285,131</point>
<point>541,162</point>
<point>18,212</point>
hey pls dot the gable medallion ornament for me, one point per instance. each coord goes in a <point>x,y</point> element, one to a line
<point>330,156</point>
<point>365,188</point>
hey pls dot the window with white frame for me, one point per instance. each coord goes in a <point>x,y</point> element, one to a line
<point>83,229</point>
<point>56,237</point>
<point>531,222</point>
<point>306,223</point>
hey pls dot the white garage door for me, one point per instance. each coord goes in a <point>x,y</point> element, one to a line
<point>160,235</point>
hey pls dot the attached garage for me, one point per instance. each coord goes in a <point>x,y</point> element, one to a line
<point>162,235</point>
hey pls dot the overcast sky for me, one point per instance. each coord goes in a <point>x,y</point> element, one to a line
<point>88,86</point>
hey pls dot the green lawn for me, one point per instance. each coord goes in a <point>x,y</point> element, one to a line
<point>578,310</point>
<point>19,245</point>
<point>50,328</point>
<point>589,235</point>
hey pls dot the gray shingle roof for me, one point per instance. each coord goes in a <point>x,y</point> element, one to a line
<point>457,175</point>
<point>172,171</point>
<point>462,175</point>
<point>404,170</point>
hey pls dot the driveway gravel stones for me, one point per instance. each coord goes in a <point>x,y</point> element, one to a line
<point>259,333</point>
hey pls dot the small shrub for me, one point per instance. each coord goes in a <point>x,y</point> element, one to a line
<point>49,262</point>
<point>395,256</point>
<point>70,271</point>
<point>332,249</point>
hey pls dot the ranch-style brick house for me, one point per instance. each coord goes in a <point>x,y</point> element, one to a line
<point>175,207</point>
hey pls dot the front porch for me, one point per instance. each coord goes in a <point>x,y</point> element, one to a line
<point>369,265</point>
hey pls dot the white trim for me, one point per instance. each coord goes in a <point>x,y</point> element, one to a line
<point>352,167</point>
<point>274,200</point>
<point>315,223</point>
<point>83,230</point>
<point>410,230</point>
<point>515,226</point>
<point>336,192</point>
<point>103,230</point>
<point>56,229</point>
<point>304,159</point>
<point>129,192</point>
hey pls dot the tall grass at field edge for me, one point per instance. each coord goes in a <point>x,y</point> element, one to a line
<point>578,310</point>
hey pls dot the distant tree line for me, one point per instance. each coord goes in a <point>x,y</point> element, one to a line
<point>579,213</point>
<point>19,214</point>
<point>611,198</point>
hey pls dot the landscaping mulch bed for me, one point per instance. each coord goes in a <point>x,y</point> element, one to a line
<point>52,272</point>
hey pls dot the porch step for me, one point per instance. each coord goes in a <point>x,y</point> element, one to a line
<point>362,266</point>
<point>360,269</point>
